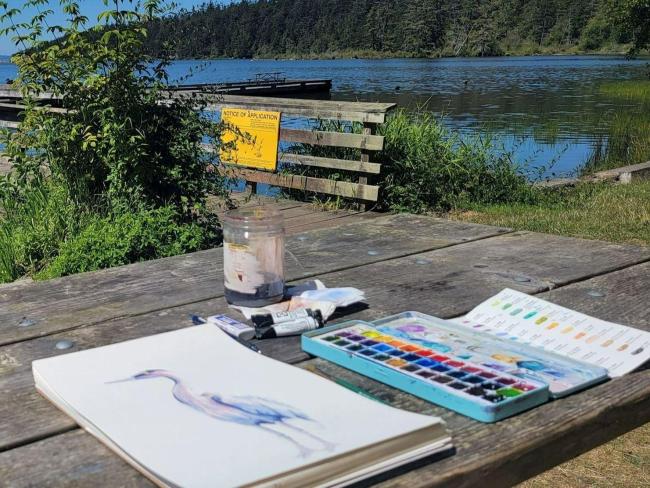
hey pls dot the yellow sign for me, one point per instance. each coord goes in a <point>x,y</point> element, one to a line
<point>251,139</point>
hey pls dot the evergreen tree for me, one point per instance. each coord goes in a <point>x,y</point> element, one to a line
<point>417,27</point>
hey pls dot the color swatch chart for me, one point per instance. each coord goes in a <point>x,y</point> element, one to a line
<point>479,386</point>
<point>523,318</point>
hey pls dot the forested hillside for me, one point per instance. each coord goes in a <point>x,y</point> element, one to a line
<point>386,27</point>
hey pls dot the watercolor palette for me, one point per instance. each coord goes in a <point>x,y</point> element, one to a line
<point>563,374</point>
<point>480,392</point>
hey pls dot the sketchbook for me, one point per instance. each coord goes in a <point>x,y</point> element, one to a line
<point>194,408</point>
<point>528,320</point>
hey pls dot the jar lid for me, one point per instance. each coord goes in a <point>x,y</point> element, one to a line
<point>255,218</point>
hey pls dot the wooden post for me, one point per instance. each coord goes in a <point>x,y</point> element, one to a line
<point>368,129</point>
<point>251,187</point>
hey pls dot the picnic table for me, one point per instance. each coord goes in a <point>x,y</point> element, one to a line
<point>402,262</point>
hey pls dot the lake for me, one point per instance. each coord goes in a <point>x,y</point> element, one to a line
<point>546,109</point>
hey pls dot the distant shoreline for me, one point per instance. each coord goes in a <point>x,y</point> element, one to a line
<point>403,55</point>
<point>371,55</point>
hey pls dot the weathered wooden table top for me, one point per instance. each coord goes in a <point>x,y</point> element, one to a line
<point>403,263</point>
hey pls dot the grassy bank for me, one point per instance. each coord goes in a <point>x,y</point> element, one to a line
<point>617,213</point>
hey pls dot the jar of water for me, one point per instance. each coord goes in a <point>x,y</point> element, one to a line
<point>253,256</point>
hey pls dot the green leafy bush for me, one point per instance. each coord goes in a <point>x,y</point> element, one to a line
<point>109,150</point>
<point>126,238</point>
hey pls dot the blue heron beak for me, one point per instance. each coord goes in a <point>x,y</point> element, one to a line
<point>132,378</point>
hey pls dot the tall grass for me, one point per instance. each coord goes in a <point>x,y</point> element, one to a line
<point>32,226</point>
<point>630,90</point>
<point>628,135</point>
<point>427,167</point>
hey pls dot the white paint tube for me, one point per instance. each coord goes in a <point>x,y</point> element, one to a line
<point>232,327</point>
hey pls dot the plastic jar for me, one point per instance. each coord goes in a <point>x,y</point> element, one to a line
<point>253,256</point>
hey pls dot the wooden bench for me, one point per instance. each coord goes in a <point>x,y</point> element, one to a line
<point>368,114</point>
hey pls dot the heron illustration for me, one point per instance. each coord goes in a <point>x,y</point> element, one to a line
<point>244,410</point>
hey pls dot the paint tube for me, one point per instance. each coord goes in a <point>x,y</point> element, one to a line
<point>266,320</point>
<point>290,328</point>
<point>232,327</point>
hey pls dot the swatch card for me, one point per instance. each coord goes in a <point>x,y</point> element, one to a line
<point>530,320</point>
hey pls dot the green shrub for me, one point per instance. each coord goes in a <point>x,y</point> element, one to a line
<point>105,242</point>
<point>112,154</point>
<point>425,166</point>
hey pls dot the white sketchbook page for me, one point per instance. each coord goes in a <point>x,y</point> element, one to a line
<point>189,448</point>
<point>524,318</point>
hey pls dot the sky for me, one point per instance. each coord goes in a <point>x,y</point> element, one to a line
<point>90,8</point>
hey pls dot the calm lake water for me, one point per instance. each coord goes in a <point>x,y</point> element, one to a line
<point>546,109</point>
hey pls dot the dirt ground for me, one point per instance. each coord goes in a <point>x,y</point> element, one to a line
<point>623,462</point>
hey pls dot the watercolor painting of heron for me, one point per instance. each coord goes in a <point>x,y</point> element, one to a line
<point>268,415</point>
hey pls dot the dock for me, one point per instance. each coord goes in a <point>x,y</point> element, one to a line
<point>263,84</point>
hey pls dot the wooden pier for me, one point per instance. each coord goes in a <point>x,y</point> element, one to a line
<point>256,87</point>
<point>272,88</point>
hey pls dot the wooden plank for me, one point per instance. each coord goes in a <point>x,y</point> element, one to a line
<point>85,462</point>
<point>335,221</point>
<point>6,91</point>
<point>294,225</point>
<point>324,109</point>
<point>88,298</point>
<point>332,105</point>
<point>365,156</point>
<point>306,160</point>
<point>307,183</point>
<point>338,139</point>
<point>9,124</point>
<point>308,113</point>
<point>624,174</point>
<point>321,109</point>
<point>299,212</point>
<point>536,439</point>
<point>340,164</point>
<point>21,107</point>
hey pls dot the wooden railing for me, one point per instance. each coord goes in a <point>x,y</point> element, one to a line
<point>368,142</point>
